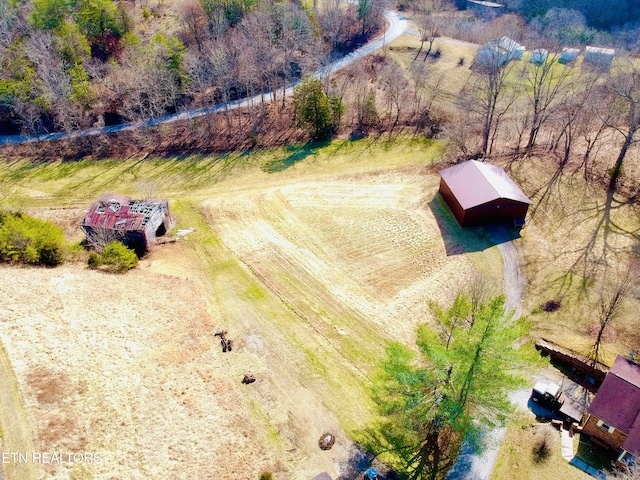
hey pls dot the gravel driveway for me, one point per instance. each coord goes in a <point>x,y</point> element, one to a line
<point>470,465</point>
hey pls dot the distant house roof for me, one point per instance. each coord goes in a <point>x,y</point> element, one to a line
<point>601,51</point>
<point>508,44</point>
<point>503,45</point>
<point>568,55</point>
<point>497,52</point>
<point>485,3</point>
<point>617,402</point>
<point>476,183</point>
<point>539,55</point>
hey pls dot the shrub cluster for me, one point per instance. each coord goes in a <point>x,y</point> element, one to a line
<point>544,443</point>
<point>115,257</point>
<point>24,239</point>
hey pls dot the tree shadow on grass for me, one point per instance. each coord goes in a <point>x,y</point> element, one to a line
<point>458,240</point>
<point>296,154</point>
<point>359,461</point>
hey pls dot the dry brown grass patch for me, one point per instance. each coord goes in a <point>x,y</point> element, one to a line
<point>50,386</point>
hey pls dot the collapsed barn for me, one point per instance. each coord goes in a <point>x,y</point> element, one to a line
<point>136,223</point>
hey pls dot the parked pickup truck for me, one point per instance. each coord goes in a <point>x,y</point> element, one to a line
<point>550,396</point>
<point>547,395</point>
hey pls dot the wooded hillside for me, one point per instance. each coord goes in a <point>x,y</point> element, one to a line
<point>72,64</point>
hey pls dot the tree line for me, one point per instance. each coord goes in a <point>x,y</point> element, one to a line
<point>223,51</point>
<point>73,64</point>
<point>600,15</point>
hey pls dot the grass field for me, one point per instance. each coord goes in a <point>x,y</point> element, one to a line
<point>517,459</point>
<point>311,265</point>
<point>312,257</point>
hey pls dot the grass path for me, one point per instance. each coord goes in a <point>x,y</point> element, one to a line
<point>16,433</point>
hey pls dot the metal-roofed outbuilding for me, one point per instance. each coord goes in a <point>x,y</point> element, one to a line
<point>136,223</point>
<point>599,58</point>
<point>479,193</point>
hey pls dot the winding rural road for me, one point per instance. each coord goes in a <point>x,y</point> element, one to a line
<point>15,435</point>
<point>397,26</point>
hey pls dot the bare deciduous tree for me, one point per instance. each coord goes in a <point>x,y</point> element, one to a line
<point>630,472</point>
<point>489,95</point>
<point>194,22</point>
<point>98,238</point>
<point>546,82</point>
<point>625,89</point>
<point>396,90</point>
<point>430,15</point>
<point>612,304</point>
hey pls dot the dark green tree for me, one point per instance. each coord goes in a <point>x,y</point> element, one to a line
<point>312,108</point>
<point>370,14</point>
<point>457,387</point>
<point>229,12</point>
<point>170,53</point>
<point>95,17</point>
<point>50,14</point>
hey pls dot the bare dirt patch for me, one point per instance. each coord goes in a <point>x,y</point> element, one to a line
<point>124,366</point>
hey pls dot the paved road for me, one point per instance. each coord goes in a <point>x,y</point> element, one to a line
<point>397,26</point>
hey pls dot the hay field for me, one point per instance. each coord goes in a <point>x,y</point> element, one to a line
<point>311,267</point>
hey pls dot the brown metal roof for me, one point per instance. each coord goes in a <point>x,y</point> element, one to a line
<point>617,402</point>
<point>476,183</point>
<point>627,370</point>
<point>632,443</point>
<point>572,409</point>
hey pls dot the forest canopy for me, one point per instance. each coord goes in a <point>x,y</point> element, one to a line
<point>73,64</point>
<point>599,15</point>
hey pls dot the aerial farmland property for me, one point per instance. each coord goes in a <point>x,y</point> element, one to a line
<point>220,274</point>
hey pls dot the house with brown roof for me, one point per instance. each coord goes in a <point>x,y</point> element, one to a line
<point>613,418</point>
<point>136,223</point>
<point>479,193</point>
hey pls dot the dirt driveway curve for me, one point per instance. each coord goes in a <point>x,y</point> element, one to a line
<point>514,279</point>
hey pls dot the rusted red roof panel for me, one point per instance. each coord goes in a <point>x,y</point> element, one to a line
<point>114,212</point>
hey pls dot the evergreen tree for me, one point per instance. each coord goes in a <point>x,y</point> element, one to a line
<point>458,387</point>
<point>312,108</point>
